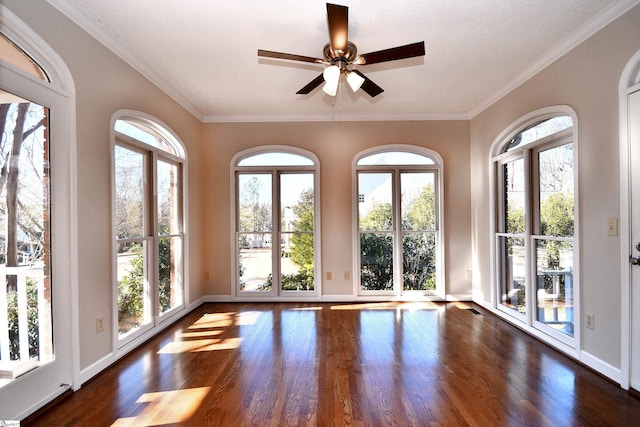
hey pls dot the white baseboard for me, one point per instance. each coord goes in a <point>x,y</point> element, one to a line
<point>95,368</point>
<point>602,367</point>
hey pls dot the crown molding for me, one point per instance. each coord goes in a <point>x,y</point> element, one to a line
<point>71,12</point>
<point>333,117</point>
<point>597,23</point>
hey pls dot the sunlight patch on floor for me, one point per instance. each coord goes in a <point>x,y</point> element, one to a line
<point>192,346</point>
<point>166,407</point>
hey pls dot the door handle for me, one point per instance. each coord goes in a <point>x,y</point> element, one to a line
<point>634,260</point>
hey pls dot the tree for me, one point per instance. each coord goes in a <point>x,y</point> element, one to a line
<point>376,249</point>
<point>302,246</point>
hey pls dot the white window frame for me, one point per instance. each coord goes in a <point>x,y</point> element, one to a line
<point>438,169</point>
<point>528,322</point>
<point>276,293</point>
<point>151,237</point>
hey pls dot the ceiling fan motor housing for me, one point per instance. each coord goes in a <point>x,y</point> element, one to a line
<point>340,58</point>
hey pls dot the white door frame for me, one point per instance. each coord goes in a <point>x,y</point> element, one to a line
<point>60,94</point>
<point>629,82</point>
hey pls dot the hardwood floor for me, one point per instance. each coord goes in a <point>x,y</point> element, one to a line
<point>345,364</point>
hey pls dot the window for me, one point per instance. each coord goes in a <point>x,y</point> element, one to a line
<point>399,240</point>
<point>536,224</point>
<point>148,174</point>
<point>276,222</point>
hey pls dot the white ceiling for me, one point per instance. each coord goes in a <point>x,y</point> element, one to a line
<point>203,53</point>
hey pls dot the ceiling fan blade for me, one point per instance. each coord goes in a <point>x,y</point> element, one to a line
<point>288,56</point>
<point>400,52</point>
<point>368,86</point>
<point>338,19</point>
<point>311,86</point>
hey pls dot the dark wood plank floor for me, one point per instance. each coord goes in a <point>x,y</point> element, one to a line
<point>345,364</point>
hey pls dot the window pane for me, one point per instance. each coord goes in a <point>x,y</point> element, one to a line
<point>418,201</point>
<point>297,262</point>
<point>376,261</point>
<point>10,53</point>
<point>374,201</point>
<point>168,198</point>
<point>25,239</point>
<point>554,272</point>
<point>169,276</point>
<point>133,301</point>
<point>419,261</point>
<point>296,202</point>
<point>255,204</point>
<point>395,158</point>
<point>538,131</point>
<point>556,191</point>
<point>145,134</point>
<point>514,197</point>
<point>276,159</point>
<point>255,262</point>
<point>129,197</point>
<point>511,252</point>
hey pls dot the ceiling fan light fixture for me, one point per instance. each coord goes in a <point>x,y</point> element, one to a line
<point>331,77</point>
<point>355,80</point>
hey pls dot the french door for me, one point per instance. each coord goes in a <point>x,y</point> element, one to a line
<point>35,269</point>
<point>398,231</point>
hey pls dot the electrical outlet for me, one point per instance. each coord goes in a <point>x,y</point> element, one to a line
<point>469,274</point>
<point>590,321</point>
<point>346,275</point>
<point>329,275</point>
<point>206,275</point>
<point>99,324</point>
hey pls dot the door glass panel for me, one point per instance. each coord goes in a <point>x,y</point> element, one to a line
<point>296,238</point>
<point>134,308</point>
<point>255,213</point>
<point>554,290</point>
<point>26,288</point>
<point>376,261</point>
<point>169,274</point>
<point>556,191</point>
<point>514,197</point>
<point>168,198</point>
<point>418,201</point>
<point>375,213</point>
<point>374,201</point>
<point>129,193</point>
<point>419,261</point>
<point>512,272</point>
<point>255,265</point>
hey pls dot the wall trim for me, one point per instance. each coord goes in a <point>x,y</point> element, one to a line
<point>601,366</point>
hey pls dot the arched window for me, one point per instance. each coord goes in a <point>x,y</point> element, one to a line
<point>38,237</point>
<point>277,238</point>
<point>535,223</point>
<point>398,220</point>
<point>148,180</point>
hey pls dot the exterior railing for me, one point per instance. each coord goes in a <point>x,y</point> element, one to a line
<point>16,359</point>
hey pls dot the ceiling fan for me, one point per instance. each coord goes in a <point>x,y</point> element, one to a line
<point>341,57</point>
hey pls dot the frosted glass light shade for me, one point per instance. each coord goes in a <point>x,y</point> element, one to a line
<point>331,77</point>
<point>355,80</point>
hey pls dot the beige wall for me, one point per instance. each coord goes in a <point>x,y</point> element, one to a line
<point>105,84</point>
<point>587,80</point>
<point>336,144</point>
